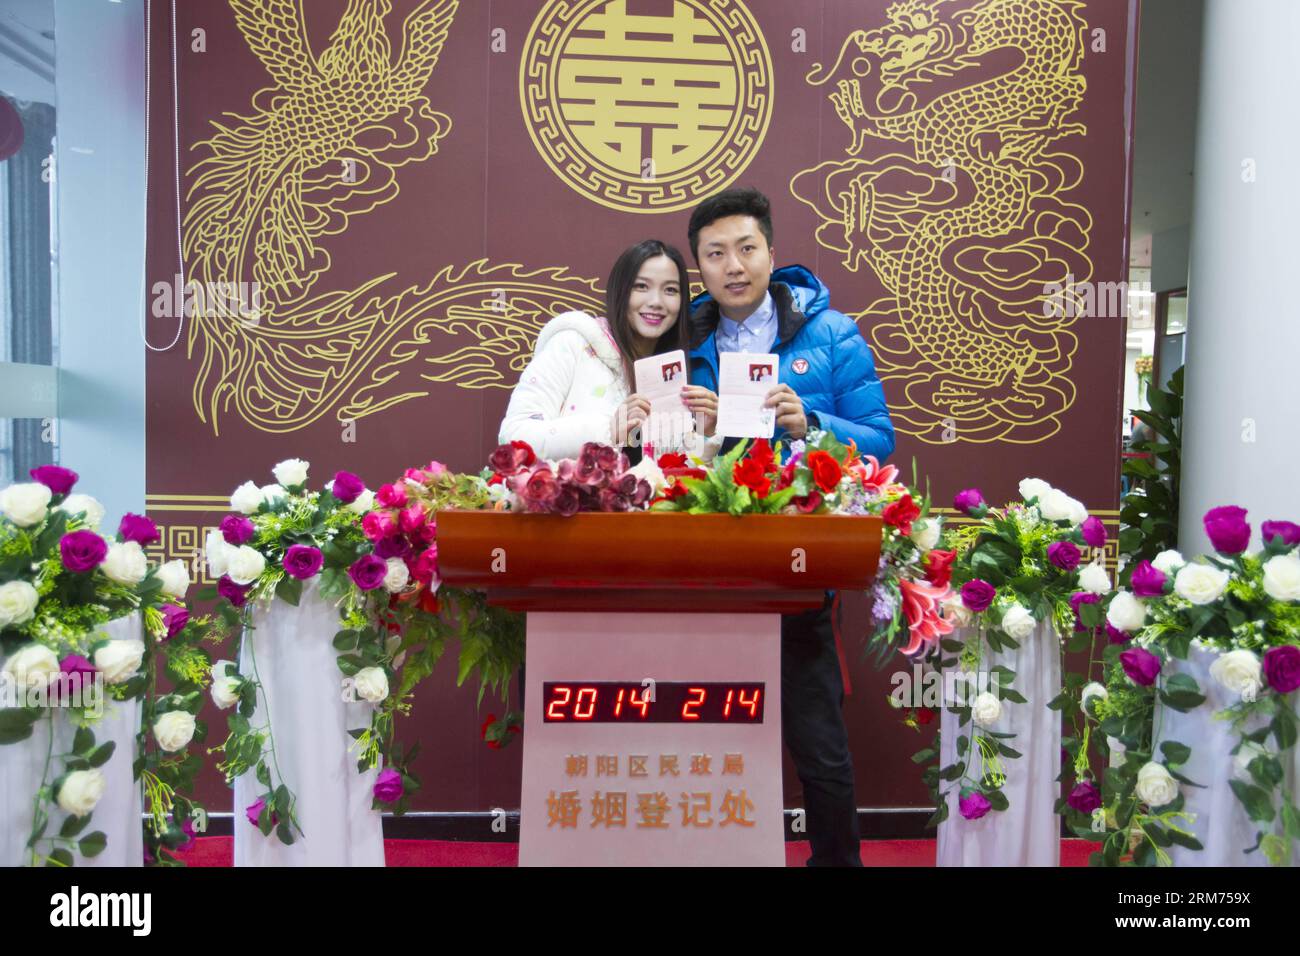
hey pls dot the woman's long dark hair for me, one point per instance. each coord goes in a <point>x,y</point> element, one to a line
<point>619,289</point>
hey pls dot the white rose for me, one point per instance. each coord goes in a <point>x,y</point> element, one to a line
<point>80,791</point>
<point>217,550</point>
<point>225,687</point>
<point>925,534</point>
<point>1018,623</point>
<point>1240,672</point>
<point>1034,488</point>
<point>1094,690</point>
<point>246,499</point>
<point>25,503</point>
<point>244,564</point>
<point>125,562</point>
<point>956,612</point>
<point>1242,758</point>
<point>1155,787</point>
<point>371,684</point>
<point>273,493</point>
<point>18,601</point>
<point>986,709</point>
<point>1095,578</point>
<point>397,576</point>
<point>91,510</point>
<point>648,469</point>
<point>363,503</point>
<point>1118,751</point>
<point>1200,583</point>
<point>1058,506</point>
<point>1282,577</point>
<point>1167,562</point>
<point>174,730</point>
<point>1126,612</point>
<point>32,666</point>
<point>175,578</point>
<point>291,472</point>
<point>119,660</point>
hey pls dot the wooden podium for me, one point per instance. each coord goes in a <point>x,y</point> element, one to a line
<point>653,676</point>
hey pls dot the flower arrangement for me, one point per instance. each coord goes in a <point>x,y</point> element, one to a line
<point>1011,569</point>
<point>597,480</point>
<point>60,583</point>
<point>1246,608</point>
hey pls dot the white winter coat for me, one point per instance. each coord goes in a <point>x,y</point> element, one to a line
<point>570,390</point>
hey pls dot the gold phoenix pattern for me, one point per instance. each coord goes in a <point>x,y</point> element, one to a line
<point>322,145</point>
<point>646,113</point>
<point>963,215</point>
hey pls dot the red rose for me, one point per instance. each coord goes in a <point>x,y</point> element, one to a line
<point>672,459</point>
<point>749,473</point>
<point>428,601</point>
<point>808,503</point>
<point>761,452</point>
<point>924,715</point>
<point>826,471</point>
<point>787,475</point>
<point>901,514</point>
<point>938,567</point>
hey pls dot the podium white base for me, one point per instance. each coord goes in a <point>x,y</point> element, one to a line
<point>731,815</point>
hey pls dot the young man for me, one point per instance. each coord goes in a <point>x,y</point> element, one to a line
<point>827,380</point>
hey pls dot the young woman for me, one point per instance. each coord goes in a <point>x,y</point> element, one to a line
<point>579,386</point>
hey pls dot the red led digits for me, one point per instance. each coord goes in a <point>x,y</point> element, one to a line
<point>618,704</point>
<point>643,704</point>
<point>551,713</point>
<point>752,703</point>
<point>589,693</point>
<point>687,713</point>
<point>726,710</point>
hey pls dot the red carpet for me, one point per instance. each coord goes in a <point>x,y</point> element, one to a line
<point>219,851</point>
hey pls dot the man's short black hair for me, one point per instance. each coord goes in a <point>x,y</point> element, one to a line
<point>738,201</point>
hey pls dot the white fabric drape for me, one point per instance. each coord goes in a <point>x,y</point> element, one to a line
<point>1221,823</point>
<point>118,813</point>
<point>1028,833</point>
<point>301,682</point>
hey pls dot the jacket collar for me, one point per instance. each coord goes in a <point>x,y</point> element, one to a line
<point>789,319</point>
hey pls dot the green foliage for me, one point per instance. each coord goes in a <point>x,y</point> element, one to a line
<point>1149,512</point>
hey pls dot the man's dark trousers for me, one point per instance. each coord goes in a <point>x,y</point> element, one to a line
<point>812,724</point>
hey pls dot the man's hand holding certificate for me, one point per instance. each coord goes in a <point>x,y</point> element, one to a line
<point>744,382</point>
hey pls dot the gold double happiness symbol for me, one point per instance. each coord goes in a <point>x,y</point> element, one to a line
<point>646,105</point>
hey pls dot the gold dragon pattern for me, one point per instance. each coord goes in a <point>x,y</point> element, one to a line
<point>323,144</point>
<point>954,195</point>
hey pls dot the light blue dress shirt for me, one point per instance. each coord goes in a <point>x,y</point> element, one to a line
<point>756,334</point>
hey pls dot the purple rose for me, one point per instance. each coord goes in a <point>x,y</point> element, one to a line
<point>302,561</point>
<point>1084,797</point>
<point>977,595</point>
<point>139,529</point>
<point>1148,580</point>
<point>1094,532</point>
<point>367,572</point>
<point>969,502</point>
<point>1282,668</point>
<point>1229,533</point>
<point>1077,600</point>
<point>1064,554</point>
<point>175,617</point>
<point>1116,635</point>
<point>567,502</point>
<point>82,551</point>
<point>1288,532</point>
<point>58,480</point>
<point>347,487</point>
<point>236,594</point>
<point>394,546</point>
<point>1140,665</point>
<point>255,810</point>
<point>388,786</point>
<point>75,673</point>
<point>974,805</point>
<point>236,529</point>
<point>187,827</point>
